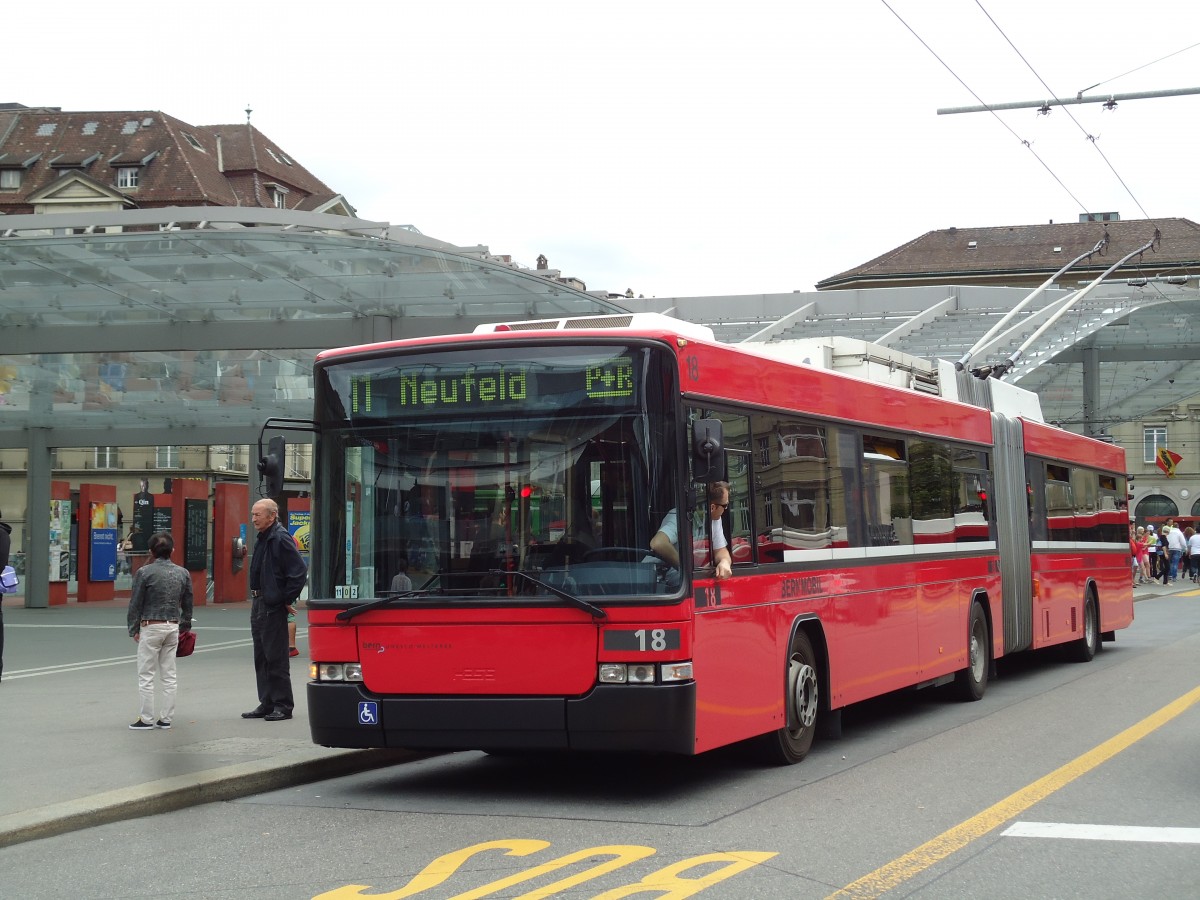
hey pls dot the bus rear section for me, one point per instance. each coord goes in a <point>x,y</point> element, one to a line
<point>1081,589</point>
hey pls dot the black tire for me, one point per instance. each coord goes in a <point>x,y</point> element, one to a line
<point>1085,649</point>
<point>791,743</point>
<point>971,683</point>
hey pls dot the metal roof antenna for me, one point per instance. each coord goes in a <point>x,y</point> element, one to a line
<point>248,111</point>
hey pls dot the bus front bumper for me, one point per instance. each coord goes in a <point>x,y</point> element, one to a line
<point>646,718</point>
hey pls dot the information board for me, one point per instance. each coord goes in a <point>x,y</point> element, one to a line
<point>195,535</point>
<point>161,519</point>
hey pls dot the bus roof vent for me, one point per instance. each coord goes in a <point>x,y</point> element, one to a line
<point>543,325</point>
<point>600,322</point>
<point>641,321</point>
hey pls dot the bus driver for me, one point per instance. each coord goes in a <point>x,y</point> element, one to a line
<point>665,543</point>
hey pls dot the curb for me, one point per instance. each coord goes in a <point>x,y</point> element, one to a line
<point>181,791</point>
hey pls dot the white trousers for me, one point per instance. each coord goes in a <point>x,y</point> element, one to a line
<point>156,656</point>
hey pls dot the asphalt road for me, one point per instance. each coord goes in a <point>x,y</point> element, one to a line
<point>1066,780</point>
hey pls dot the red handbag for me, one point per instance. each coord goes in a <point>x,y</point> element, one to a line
<point>187,643</point>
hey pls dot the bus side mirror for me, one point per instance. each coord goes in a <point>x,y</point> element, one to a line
<point>707,450</point>
<point>270,468</point>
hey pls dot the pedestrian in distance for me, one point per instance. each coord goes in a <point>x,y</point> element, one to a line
<point>160,607</point>
<point>5,552</point>
<point>127,551</point>
<point>1193,537</point>
<point>1143,556</point>
<point>277,575</point>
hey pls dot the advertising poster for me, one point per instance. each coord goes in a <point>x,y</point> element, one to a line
<point>60,540</point>
<point>104,541</point>
<point>298,523</point>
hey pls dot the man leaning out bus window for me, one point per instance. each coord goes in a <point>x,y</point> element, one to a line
<point>665,543</point>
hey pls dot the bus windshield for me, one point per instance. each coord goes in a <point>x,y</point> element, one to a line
<point>495,472</point>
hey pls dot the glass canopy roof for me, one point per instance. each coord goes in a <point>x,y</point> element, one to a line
<point>192,326</point>
<point>208,319</point>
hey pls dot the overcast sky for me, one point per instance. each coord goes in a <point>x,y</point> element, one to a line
<point>675,148</point>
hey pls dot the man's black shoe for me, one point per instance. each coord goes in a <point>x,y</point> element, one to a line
<point>256,714</point>
<point>277,716</point>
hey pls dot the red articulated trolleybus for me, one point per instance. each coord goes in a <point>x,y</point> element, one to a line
<point>484,507</point>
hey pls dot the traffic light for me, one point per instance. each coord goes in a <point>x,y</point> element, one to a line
<point>270,468</point>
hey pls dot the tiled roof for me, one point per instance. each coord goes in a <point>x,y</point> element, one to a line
<point>180,164</point>
<point>965,255</point>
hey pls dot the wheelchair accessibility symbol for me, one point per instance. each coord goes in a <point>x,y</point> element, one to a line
<point>368,713</point>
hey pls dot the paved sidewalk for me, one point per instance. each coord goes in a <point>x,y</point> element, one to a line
<point>1158,589</point>
<point>68,759</point>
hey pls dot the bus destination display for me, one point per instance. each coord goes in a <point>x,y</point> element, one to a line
<point>480,387</point>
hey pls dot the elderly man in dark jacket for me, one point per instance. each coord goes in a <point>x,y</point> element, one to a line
<point>277,575</point>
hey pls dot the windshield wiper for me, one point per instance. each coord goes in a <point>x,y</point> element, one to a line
<point>595,611</point>
<point>347,614</point>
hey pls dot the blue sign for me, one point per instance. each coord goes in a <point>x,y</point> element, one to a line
<point>103,556</point>
<point>368,713</point>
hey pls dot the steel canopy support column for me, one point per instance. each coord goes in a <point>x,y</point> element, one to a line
<point>37,520</point>
<point>1091,389</point>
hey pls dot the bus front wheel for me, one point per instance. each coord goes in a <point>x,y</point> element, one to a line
<point>791,743</point>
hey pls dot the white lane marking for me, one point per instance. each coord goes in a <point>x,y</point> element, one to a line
<point>1078,832</point>
<point>206,628</point>
<point>110,661</point>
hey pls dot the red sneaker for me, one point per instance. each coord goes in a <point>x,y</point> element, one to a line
<point>293,652</point>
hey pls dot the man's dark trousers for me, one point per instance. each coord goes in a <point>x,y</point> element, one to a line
<point>268,628</point>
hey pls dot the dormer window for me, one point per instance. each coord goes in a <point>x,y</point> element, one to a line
<point>971,245</point>
<point>278,194</point>
<point>128,169</point>
<point>11,169</point>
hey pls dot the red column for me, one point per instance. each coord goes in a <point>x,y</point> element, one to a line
<point>230,576</point>
<point>91,494</point>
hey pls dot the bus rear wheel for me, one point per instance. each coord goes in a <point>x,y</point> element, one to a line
<point>1084,649</point>
<point>971,682</point>
<point>791,743</point>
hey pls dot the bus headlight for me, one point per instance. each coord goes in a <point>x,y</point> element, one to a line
<point>644,673</point>
<point>641,674</point>
<point>680,671</point>
<point>612,673</point>
<point>335,671</point>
